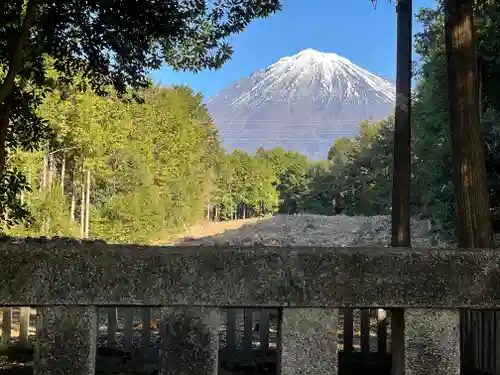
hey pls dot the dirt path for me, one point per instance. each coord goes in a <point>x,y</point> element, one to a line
<point>202,230</point>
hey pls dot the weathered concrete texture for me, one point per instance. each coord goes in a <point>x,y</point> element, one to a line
<point>309,342</point>
<point>68,272</point>
<point>65,341</point>
<point>190,341</point>
<point>432,342</point>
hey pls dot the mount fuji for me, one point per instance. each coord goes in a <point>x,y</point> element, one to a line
<point>300,103</point>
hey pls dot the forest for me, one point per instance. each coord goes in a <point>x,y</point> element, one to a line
<point>122,170</point>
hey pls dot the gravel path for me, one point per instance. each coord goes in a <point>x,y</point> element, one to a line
<point>313,230</point>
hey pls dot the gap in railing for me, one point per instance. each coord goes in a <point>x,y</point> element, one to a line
<point>364,330</point>
<point>18,326</point>
<point>17,337</point>
<point>248,336</point>
<point>128,337</point>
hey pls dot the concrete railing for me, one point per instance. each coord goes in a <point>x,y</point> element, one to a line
<point>65,280</point>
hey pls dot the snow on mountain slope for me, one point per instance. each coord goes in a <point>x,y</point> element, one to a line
<point>301,103</point>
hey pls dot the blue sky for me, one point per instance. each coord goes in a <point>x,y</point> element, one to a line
<point>350,28</point>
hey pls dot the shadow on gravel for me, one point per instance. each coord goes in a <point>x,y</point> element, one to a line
<point>301,230</point>
<point>316,230</point>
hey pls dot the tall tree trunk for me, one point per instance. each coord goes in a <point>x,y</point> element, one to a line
<point>87,206</point>
<point>63,172</point>
<point>401,232</point>
<point>402,129</point>
<point>73,197</point>
<point>480,89</point>
<point>51,171</point>
<point>82,209</point>
<point>45,171</point>
<point>474,229</point>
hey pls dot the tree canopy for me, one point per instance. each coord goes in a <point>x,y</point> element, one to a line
<point>110,44</point>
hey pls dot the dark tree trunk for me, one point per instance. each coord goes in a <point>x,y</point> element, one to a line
<point>401,179</point>
<point>474,228</point>
<point>402,129</point>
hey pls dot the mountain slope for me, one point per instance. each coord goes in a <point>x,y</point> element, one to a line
<point>301,103</point>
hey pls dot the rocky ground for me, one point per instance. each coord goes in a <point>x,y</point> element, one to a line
<point>314,230</point>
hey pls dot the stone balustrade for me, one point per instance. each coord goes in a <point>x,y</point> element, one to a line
<point>65,280</point>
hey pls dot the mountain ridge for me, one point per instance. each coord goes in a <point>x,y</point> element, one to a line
<point>301,103</point>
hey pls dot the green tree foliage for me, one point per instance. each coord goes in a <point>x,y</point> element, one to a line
<point>290,169</point>
<point>151,164</point>
<point>154,166</point>
<point>112,44</point>
<point>246,187</point>
<point>357,179</point>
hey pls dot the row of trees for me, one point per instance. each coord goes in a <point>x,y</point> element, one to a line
<point>125,171</point>
<point>119,170</point>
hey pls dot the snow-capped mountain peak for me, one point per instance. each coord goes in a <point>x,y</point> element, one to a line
<point>338,77</point>
<point>307,90</point>
<point>312,54</point>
